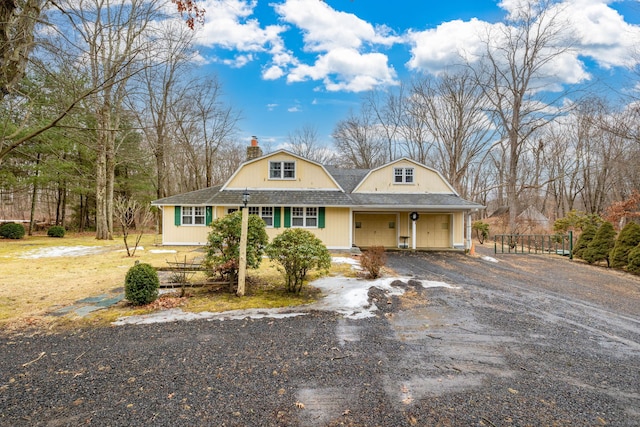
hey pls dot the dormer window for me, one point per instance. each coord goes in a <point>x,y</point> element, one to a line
<point>403,175</point>
<point>282,170</point>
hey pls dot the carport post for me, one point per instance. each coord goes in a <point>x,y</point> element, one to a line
<point>413,234</point>
<point>468,231</point>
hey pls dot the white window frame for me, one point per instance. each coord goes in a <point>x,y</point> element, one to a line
<point>264,212</point>
<point>306,217</point>
<point>286,170</point>
<point>194,214</point>
<point>405,175</point>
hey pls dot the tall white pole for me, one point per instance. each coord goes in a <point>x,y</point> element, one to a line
<point>242,268</point>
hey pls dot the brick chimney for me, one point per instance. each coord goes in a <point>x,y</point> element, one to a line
<point>254,151</point>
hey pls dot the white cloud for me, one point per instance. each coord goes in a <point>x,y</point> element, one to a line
<point>602,33</point>
<point>352,70</point>
<point>238,61</point>
<point>272,73</point>
<point>450,43</point>
<point>271,107</point>
<point>343,42</point>
<point>229,25</point>
<point>325,29</point>
<point>594,30</point>
<point>294,109</point>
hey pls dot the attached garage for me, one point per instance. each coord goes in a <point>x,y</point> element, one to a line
<point>433,231</point>
<point>375,229</point>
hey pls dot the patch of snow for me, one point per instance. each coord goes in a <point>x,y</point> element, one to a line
<point>62,251</point>
<point>163,251</point>
<point>488,258</point>
<point>347,296</point>
<point>344,260</point>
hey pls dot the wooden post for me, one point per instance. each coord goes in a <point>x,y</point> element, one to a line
<point>242,268</point>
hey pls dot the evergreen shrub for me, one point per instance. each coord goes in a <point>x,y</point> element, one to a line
<point>600,247</point>
<point>583,241</point>
<point>12,230</point>
<point>141,284</point>
<point>628,239</point>
<point>634,260</point>
<point>56,231</point>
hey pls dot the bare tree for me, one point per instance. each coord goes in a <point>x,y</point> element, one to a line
<point>455,114</point>
<point>131,214</point>
<point>304,142</point>
<point>358,142</point>
<point>514,72</point>
<point>111,39</point>
<point>161,86</point>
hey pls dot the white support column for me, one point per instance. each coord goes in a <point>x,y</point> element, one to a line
<point>413,234</point>
<point>468,242</point>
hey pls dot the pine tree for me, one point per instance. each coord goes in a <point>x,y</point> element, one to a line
<point>628,238</point>
<point>601,245</point>
<point>634,260</point>
<point>583,241</point>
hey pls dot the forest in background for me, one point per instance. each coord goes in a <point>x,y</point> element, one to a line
<point>110,105</point>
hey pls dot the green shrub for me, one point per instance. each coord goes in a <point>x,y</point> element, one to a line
<point>298,251</point>
<point>56,231</point>
<point>223,245</point>
<point>12,230</point>
<point>634,260</point>
<point>481,229</point>
<point>141,284</point>
<point>628,239</point>
<point>583,241</point>
<point>600,247</point>
<point>372,260</point>
<point>575,220</point>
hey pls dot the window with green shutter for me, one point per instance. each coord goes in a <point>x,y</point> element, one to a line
<point>177,216</point>
<point>321,217</point>
<point>276,217</point>
<point>287,217</point>
<point>209,215</point>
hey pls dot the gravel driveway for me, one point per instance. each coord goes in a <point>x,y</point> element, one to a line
<point>527,340</point>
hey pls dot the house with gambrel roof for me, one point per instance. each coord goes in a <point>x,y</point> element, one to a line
<point>402,204</point>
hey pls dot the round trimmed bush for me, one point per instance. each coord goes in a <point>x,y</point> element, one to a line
<point>141,284</point>
<point>12,230</point>
<point>56,231</point>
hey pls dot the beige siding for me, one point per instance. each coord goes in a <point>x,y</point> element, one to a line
<point>458,229</point>
<point>256,175</point>
<point>183,234</point>
<point>425,180</point>
<point>335,235</point>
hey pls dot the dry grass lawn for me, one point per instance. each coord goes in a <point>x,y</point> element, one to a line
<point>33,287</point>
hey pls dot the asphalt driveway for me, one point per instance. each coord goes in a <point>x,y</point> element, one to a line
<point>522,341</point>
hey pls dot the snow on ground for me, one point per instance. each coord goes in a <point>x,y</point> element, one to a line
<point>60,251</point>
<point>344,295</point>
<point>488,258</point>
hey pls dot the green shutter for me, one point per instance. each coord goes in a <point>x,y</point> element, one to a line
<point>178,218</point>
<point>209,216</point>
<point>287,217</point>
<point>321,217</point>
<point>276,217</point>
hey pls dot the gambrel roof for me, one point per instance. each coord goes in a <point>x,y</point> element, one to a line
<point>344,195</point>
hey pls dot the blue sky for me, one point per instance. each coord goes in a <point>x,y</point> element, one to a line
<point>292,63</point>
